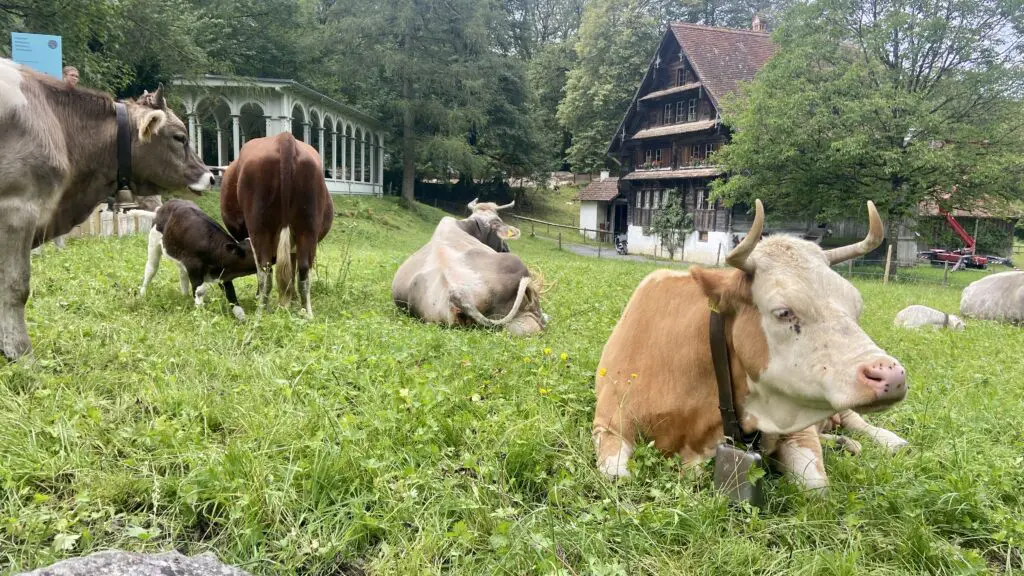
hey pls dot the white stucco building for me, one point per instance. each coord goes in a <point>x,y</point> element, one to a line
<point>223,112</point>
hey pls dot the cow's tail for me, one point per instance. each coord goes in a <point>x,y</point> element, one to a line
<point>461,300</point>
<point>283,271</point>
<point>142,213</point>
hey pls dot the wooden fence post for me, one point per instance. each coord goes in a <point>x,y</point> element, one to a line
<point>115,223</point>
<point>598,249</point>
<point>849,268</point>
<point>888,263</point>
<point>718,258</point>
<point>559,240</point>
<point>99,222</point>
<point>533,233</point>
<point>945,273</point>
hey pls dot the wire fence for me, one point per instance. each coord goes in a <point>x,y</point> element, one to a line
<point>923,272</point>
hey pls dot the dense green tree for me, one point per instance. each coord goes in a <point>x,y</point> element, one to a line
<point>672,223</point>
<point>547,71</point>
<point>886,100</point>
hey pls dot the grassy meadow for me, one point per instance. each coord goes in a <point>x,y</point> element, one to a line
<point>365,442</point>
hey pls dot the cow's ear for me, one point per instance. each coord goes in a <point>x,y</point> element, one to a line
<point>728,289</point>
<point>151,123</point>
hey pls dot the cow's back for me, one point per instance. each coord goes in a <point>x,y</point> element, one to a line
<point>997,297</point>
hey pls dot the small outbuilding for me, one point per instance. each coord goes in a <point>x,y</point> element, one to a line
<point>603,211</point>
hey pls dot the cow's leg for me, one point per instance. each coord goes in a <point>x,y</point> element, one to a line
<point>305,253</point>
<point>183,277</point>
<point>229,293</point>
<point>613,452</point>
<point>152,259</point>
<point>799,455</point>
<point>848,444</point>
<point>17,227</point>
<point>59,241</point>
<point>853,421</point>
<point>198,281</point>
<point>264,250</point>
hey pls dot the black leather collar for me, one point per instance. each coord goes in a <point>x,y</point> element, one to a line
<point>723,374</point>
<point>124,152</point>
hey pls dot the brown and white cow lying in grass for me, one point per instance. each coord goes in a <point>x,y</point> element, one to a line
<point>797,355</point>
<point>202,249</point>
<point>465,275</point>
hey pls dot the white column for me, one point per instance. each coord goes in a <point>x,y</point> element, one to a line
<point>220,146</point>
<point>286,123</point>
<point>305,132</point>
<point>362,158</point>
<point>236,134</point>
<point>270,125</point>
<point>334,154</point>
<point>199,141</point>
<point>321,143</point>
<point>192,131</point>
<point>380,161</point>
<point>344,154</point>
<point>352,151</point>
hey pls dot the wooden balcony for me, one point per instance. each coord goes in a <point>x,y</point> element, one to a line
<point>704,220</point>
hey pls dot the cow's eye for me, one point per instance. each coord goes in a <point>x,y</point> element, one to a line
<point>783,314</point>
<point>180,138</point>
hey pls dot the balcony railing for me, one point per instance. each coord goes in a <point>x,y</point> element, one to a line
<point>654,167</point>
<point>704,220</point>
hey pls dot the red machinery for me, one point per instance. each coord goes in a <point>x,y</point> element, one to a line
<point>964,257</point>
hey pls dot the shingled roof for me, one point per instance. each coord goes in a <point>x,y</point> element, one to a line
<point>600,190</point>
<point>723,57</point>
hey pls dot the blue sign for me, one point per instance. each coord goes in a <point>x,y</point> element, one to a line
<point>40,52</point>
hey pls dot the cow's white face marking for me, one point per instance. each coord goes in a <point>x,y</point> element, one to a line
<point>204,182</point>
<point>615,466</point>
<point>11,95</point>
<point>809,316</point>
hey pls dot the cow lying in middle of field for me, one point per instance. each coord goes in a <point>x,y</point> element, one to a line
<point>466,275</point>
<point>203,250</point>
<point>918,316</point>
<point>797,356</point>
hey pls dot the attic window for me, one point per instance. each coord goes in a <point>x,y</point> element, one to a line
<point>681,76</point>
<point>667,118</point>
<point>691,113</point>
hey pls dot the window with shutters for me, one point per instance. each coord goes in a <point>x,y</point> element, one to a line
<point>691,113</point>
<point>667,117</point>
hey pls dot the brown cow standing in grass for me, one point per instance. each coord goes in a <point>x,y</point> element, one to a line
<point>275,195</point>
<point>59,159</point>
<point>798,357</point>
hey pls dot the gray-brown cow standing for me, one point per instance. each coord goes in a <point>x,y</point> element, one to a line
<point>58,160</point>
<point>465,275</point>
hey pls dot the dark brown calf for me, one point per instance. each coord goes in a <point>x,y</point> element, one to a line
<point>203,250</point>
<point>275,195</point>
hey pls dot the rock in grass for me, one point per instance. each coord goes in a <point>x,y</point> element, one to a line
<point>997,297</point>
<point>918,316</point>
<point>117,563</point>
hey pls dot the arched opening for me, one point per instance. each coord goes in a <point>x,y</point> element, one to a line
<point>329,145</point>
<point>349,148</point>
<point>252,122</point>
<point>299,122</point>
<point>314,131</point>
<point>214,131</point>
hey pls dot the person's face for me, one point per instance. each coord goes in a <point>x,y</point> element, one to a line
<point>71,77</point>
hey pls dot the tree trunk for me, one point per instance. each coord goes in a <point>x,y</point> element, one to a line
<point>408,147</point>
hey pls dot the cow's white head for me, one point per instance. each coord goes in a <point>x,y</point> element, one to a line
<point>162,158</point>
<point>795,330</point>
<point>490,228</point>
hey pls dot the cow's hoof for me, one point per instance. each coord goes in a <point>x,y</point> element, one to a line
<point>142,291</point>
<point>895,446</point>
<point>850,445</point>
<point>238,313</point>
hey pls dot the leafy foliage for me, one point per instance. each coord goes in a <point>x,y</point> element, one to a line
<point>672,223</point>
<point>887,101</point>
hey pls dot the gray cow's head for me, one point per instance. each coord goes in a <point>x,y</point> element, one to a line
<point>486,225</point>
<point>162,158</point>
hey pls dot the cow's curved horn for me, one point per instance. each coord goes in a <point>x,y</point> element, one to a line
<point>876,233</point>
<point>472,204</point>
<point>738,257</point>
<point>509,205</point>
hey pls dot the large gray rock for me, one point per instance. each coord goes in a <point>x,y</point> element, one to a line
<point>997,297</point>
<point>918,316</point>
<point>116,563</point>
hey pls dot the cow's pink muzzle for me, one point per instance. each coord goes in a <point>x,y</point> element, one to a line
<point>886,378</point>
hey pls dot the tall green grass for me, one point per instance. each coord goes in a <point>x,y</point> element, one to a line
<point>364,441</point>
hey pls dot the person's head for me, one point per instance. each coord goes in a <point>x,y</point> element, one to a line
<point>71,75</point>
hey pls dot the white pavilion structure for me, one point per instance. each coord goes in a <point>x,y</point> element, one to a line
<point>224,112</point>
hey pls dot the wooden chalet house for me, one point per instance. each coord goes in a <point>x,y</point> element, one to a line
<point>668,137</point>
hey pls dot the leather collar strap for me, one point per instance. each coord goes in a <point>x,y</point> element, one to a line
<point>124,148</point>
<point>945,320</point>
<point>723,374</point>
